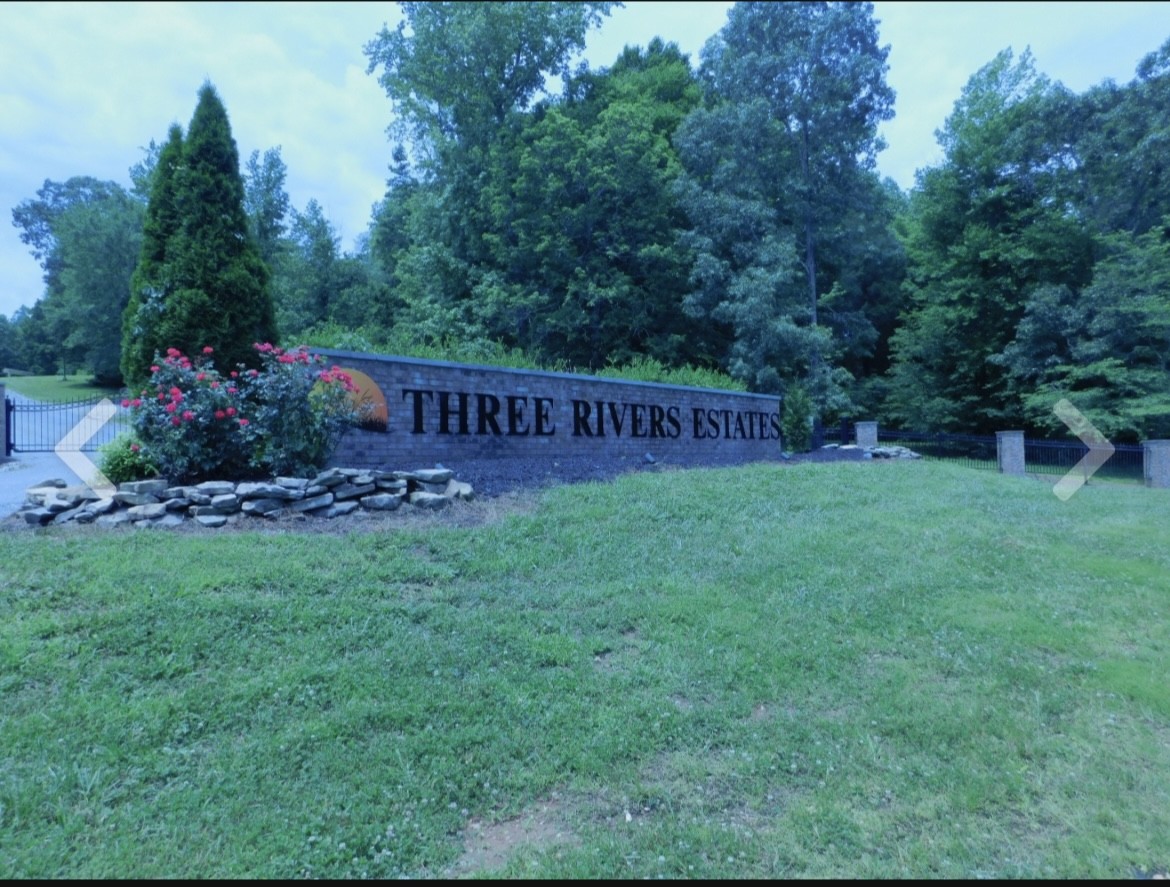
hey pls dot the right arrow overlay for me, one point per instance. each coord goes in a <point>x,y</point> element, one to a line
<point>1100,450</point>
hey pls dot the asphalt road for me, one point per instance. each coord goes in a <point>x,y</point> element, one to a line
<point>27,469</point>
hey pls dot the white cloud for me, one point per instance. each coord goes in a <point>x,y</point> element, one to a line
<point>83,86</point>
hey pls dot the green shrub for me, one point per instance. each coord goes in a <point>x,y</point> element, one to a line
<point>649,369</point>
<point>797,422</point>
<point>285,418</point>
<point>123,459</point>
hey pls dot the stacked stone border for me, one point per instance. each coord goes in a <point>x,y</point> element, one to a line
<point>434,411</point>
<point>331,493</point>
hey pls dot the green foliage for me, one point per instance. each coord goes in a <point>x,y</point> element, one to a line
<point>54,388</point>
<point>151,280</point>
<point>9,353</point>
<point>100,244</point>
<point>1106,347</point>
<point>190,420</point>
<point>298,410</point>
<point>454,71</point>
<point>200,279</point>
<point>123,459</point>
<point>266,202</point>
<point>647,369</point>
<point>86,234</point>
<point>1037,259</point>
<point>796,424</point>
<point>285,418</point>
<point>777,180</point>
<point>307,269</point>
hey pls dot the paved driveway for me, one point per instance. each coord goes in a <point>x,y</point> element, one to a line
<point>24,469</point>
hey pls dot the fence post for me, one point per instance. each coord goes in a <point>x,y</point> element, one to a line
<point>1009,452</point>
<point>866,433</point>
<point>1156,463</point>
<point>3,423</point>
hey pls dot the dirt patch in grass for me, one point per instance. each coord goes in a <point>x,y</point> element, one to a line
<point>490,845</point>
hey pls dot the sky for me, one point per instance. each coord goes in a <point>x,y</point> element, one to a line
<point>84,87</point>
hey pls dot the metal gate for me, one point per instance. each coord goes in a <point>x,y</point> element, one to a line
<point>38,427</point>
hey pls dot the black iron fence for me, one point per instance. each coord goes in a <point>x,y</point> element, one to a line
<point>972,450</point>
<point>1055,457</point>
<point>1059,457</point>
<point>38,427</point>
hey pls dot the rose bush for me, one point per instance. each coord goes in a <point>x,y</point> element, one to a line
<point>298,409</point>
<point>193,422</point>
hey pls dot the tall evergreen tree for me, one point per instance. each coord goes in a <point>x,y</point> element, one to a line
<point>209,286</point>
<point>149,286</point>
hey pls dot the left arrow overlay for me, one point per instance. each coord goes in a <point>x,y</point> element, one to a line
<point>68,449</point>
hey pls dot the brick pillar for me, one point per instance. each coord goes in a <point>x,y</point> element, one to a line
<point>866,433</point>
<point>1009,452</point>
<point>1156,461</point>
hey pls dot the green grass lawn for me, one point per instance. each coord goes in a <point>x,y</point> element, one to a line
<point>850,670</point>
<point>55,389</point>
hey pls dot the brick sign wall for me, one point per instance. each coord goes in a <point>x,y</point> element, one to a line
<point>441,412</point>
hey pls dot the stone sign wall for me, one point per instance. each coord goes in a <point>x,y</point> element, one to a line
<point>425,411</point>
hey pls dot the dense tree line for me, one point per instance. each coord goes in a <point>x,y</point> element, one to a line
<point>1037,258</point>
<point>724,215</point>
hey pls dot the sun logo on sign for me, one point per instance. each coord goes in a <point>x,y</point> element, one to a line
<point>370,401</point>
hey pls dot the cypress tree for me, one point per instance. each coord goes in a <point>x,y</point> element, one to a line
<point>202,281</point>
<point>148,285</point>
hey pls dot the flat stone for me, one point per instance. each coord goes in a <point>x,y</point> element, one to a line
<point>211,520</point>
<point>310,503</point>
<point>225,502</point>
<point>85,516</point>
<point>330,477</point>
<point>267,491</point>
<point>101,506</point>
<point>52,482</point>
<point>182,503</point>
<point>37,517</point>
<point>113,520</point>
<point>130,498</point>
<point>197,510</point>
<point>58,504</point>
<point>155,486</point>
<point>423,499</point>
<point>437,489</point>
<point>147,512</point>
<point>261,507</point>
<point>292,483</point>
<point>457,489</point>
<point>315,490</point>
<point>390,485</point>
<point>352,491</point>
<point>42,495</point>
<point>64,517</point>
<point>337,509</point>
<point>164,522</point>
<point>427,475</point>
<point>216,487</point>
<point>382,502</point>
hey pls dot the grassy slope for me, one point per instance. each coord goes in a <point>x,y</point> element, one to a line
<point>871,670</point>
<point>54,389</point>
